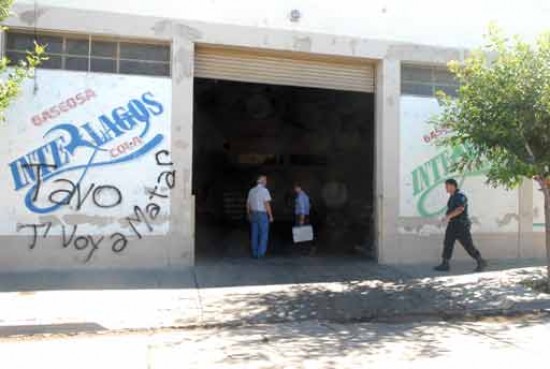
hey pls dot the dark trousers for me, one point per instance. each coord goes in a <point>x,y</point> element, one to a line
<point>306,220</point>
<point>461,232</point>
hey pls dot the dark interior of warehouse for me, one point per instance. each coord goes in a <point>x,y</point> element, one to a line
<point>323,139</point>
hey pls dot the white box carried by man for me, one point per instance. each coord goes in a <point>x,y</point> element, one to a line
<point>302,233</point>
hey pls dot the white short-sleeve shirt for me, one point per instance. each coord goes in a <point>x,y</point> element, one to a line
<point>257,197</point>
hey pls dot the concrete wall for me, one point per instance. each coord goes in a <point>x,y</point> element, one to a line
<point>170,243</point>
<point>429,22</point>
<point>142,214</point>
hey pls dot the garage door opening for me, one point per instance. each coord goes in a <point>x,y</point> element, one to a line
<point>322,138</point>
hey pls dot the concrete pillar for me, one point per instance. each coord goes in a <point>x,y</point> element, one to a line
<point>388,90</point>
<point>180,247</point>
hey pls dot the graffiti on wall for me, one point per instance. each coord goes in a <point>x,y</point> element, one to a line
<point>166,179</point>
<point>424,167</point>
<point>141,216</point>
<point>429,176</point>
<point>86,151</point>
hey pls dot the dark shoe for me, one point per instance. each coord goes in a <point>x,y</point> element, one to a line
<point>481,266</point>
<point>443,267</point>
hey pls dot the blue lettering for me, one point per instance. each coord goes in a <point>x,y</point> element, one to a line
<point>42,160</point>
<point>108,128</point>
<point>75,135</point>
<point>21,173</point>
<point>99,138</point>
<point>55,156</point>
<point>139,111</point>
<point>123,119</point>
<point>59,154</point>
<point>155,107</point>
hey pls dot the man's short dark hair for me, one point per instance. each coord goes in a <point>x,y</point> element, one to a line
<point>452,182</point>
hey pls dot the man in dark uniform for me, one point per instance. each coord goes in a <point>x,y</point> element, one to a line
<point>458,228</point>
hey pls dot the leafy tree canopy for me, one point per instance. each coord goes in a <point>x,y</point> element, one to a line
<point>502,113</point>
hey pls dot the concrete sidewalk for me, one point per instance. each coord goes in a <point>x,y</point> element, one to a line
<point>242,291</point>
<point>300,345</point>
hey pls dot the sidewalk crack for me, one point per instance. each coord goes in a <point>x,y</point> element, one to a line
<point>199,297</point>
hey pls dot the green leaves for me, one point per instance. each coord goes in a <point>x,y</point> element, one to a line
<point>10,85</point>
<point>11,77</point>
<point>5,6</point>
<point>502,112</point>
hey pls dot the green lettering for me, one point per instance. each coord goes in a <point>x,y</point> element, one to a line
<point>445,162</point>
<point>421,179</point>
<point>457,153</point>
<point>434,163</point>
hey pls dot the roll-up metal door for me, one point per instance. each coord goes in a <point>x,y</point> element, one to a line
<point>284,68</point>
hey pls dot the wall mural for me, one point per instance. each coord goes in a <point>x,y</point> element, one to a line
<point>424,168</point>
<point>86,157</point>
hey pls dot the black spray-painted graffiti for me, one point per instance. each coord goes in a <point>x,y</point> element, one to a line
<point>65,196</point>
<point>87,243</point>
<point>102,196</point>
<point>75,196</point>
<point>152,209</point>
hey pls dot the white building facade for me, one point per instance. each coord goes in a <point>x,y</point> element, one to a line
<point>96,163</point>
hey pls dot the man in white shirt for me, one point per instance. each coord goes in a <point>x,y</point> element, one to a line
<point>258,208</point>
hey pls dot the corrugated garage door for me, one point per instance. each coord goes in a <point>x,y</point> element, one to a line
<point>284,68</point>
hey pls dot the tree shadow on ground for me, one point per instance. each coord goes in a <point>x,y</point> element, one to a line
<point>373,298</point>
<point>333,345</point>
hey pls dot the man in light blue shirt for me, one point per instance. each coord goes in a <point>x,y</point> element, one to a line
<point>302,205</point>
<point>302,208</point>
<point>258,208</point>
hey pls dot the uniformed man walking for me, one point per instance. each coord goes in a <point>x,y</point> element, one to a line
<point>458,228</point>
<point>258,208</point>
